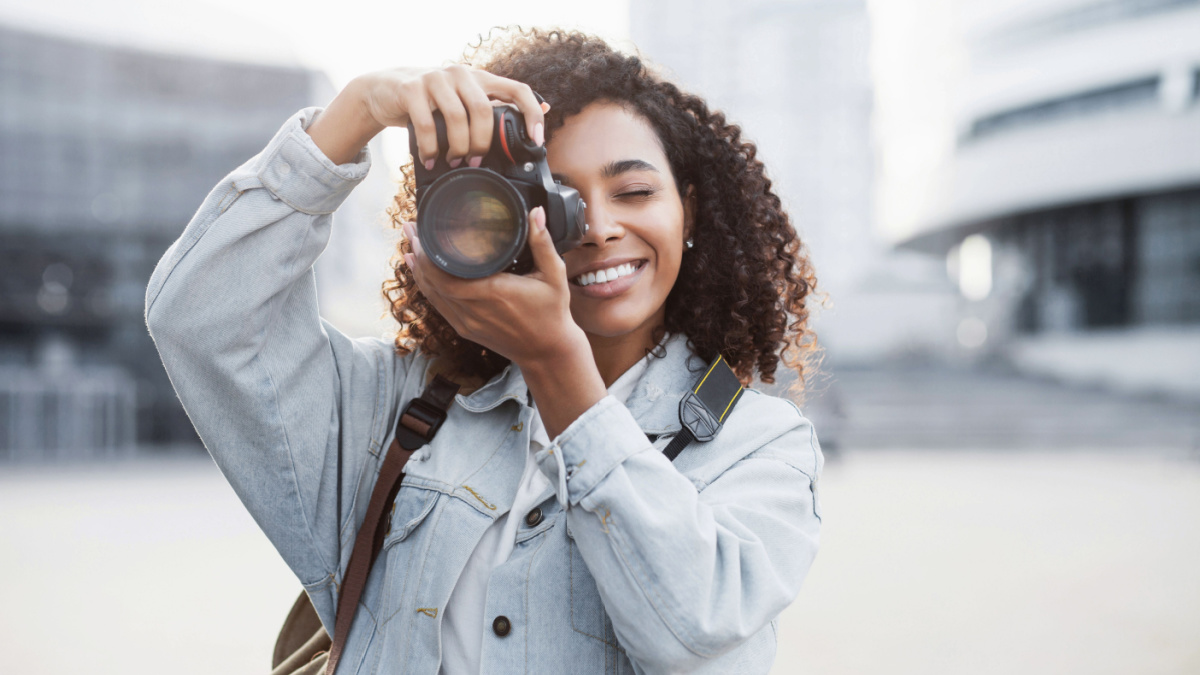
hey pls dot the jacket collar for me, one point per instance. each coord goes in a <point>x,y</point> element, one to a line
<point>654,402</point>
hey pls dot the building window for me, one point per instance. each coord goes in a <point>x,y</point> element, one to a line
<point>1141,92</point>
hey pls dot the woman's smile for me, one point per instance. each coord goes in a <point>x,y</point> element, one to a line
<point>628,261</point>
<point>608,279</point>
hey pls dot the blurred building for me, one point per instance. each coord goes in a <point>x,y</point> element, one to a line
<point>105,154</point>
<point>1067,200</point>
<point>795,75</point>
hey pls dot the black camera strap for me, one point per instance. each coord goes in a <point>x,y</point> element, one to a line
<point>703,410</point>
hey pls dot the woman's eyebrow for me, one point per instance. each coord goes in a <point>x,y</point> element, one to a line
<point>616,168</point>
<point>613,169</point>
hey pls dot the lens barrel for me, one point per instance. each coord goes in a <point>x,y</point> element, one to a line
<point>473,223</point>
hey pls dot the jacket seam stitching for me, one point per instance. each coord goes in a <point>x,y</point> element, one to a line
<point>407,570</point>
<point>528,573</point>
<point>650,595</point>
<point>292,465</point>
<point>181,253</point>
<point>420,575</point>
<point>571,592</point>
<point>267,328</point>
<point>372,450</point>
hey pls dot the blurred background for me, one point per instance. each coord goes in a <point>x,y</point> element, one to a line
<point>1001,197</point>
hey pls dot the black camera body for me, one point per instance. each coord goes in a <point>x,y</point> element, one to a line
<point>474,222</point>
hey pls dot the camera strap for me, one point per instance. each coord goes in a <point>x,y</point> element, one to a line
<point>703,410</point>
<point>417,425</point>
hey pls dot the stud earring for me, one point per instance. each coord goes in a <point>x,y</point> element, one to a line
<point>689,243</point>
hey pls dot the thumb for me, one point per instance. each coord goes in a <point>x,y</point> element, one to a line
<point>541,245</point>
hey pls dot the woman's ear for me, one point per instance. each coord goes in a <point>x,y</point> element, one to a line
<point>689,212</point>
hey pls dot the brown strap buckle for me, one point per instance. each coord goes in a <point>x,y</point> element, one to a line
<point>423,416</point>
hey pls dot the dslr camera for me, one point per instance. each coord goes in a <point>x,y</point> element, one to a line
<point>474,222</point>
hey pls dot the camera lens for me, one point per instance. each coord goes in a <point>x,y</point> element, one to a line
<point>476,228</point>
<point>472,223</point>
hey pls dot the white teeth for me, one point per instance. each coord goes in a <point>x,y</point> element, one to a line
<point>605,276</point>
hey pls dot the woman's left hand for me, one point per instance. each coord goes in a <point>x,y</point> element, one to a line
<point>524,318</point>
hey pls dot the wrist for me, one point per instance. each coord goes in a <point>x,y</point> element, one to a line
<point>346,125</point>
<point>564,383</point>
<point>567,354</point>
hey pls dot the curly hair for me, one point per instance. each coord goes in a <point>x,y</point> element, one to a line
<point>741,291</point>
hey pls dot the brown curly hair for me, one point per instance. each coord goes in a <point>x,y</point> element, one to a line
<point>741,290</point>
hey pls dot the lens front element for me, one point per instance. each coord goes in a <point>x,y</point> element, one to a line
<point>472,223</point>
<point>477,228</point>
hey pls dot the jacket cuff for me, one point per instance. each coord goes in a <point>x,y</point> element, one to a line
<point>590,448</point>
<point>297,173</point>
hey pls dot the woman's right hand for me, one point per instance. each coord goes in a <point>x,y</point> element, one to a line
<point>464,95</point>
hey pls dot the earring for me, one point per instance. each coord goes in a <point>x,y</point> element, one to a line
<point>689,243</point>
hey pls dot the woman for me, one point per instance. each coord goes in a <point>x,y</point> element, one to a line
<point>542,530</point>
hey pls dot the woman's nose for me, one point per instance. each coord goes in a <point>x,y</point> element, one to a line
<point>602,226</point>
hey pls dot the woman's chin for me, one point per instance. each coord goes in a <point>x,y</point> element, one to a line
<point>612,325</point>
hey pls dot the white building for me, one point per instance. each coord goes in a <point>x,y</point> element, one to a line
<point>1067,134</point>
<point>796,76</point>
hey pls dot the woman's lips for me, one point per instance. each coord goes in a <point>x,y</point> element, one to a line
<point>613,288</point>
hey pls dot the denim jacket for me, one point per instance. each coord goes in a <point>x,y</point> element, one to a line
<point>632,563</point>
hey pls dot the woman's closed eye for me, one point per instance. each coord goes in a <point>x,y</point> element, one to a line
<point>637,193</point>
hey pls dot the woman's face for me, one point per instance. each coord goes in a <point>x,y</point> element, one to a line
<point>636,219</point>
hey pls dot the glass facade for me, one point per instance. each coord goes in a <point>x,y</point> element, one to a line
<point>105,153</point>
<point>1128,262</point>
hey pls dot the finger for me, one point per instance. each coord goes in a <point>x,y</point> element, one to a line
<point>421,117</point>
<point>458,136</point>
<point>432,276</point>
<point>479,110</point>
<point>545,258</point>
<point>520,94</point>
<point>443,306</point>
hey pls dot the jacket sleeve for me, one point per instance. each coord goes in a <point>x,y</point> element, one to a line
<point>292,411</point>
<point>686,571</point>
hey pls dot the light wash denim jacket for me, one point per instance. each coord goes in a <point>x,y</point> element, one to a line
<point>638,565</point>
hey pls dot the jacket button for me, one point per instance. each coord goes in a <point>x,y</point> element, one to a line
<point>501,626</point>
<point>533,517</point>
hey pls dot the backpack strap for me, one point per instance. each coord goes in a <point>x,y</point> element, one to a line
<point>703,410</point>
<point>417,425</point>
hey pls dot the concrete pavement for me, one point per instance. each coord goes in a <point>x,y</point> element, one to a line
<point>931,562</point>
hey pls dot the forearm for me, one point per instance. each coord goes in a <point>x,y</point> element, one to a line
<point>346,126</point>
<point>686,575</point>
<point>233,311</point>
<point>564,384</point>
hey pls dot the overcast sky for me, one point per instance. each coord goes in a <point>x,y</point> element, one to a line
<point>342,39</point>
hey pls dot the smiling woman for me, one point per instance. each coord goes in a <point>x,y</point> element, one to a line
<point>550,525</point>
<point>744,286</point>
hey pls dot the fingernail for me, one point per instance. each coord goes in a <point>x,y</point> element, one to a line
<point>408,259</point>
<point>429,165</point>
<point>474,162</point>
<point>539,134</point>
<point>545,107</point>
<point>540,218</point>
<point>455,162</point>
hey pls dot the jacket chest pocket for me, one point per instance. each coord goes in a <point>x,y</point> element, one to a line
<point>401,543</point>
<point>587,610</point>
